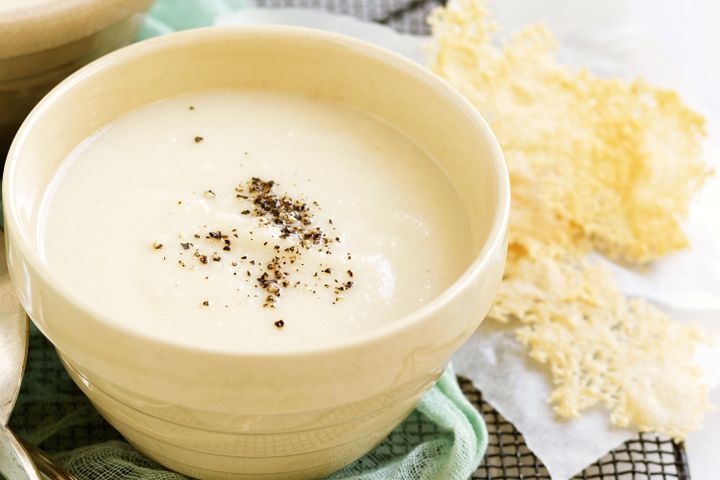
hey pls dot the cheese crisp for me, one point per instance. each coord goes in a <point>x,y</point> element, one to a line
<point>602,347</point>
<point>618,159</point>
<point>595,164</point>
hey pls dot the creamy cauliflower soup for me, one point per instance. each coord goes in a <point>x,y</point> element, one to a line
<point>255,221</point>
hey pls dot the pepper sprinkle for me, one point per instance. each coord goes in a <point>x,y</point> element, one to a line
<point>295,221</point>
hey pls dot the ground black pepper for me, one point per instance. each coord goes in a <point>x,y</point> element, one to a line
<point>295,223</point>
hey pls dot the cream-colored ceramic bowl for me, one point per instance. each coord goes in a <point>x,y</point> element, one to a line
<point>44,41</point>
<point>229,414</point>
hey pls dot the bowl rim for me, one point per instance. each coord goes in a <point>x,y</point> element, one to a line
<point>494,242</point>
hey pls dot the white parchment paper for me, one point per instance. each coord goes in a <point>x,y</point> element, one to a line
<point>517,388</point>
<point>600,36</point>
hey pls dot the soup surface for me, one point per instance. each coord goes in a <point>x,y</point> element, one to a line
<point>252,221</point>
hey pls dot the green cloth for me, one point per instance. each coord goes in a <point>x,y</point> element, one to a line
<point>443,439</point>
<point>169,16</point>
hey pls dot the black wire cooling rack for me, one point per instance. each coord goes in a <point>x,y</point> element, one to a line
<point>407,16</point>
<point>48,395</point>
<point>647,457</point>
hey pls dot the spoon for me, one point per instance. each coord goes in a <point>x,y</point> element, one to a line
<point>15,462</point>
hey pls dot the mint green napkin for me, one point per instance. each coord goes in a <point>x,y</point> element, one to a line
<point>168,16</point>
<point>443,439</point>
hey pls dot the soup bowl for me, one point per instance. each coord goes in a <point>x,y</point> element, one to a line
<point>44,41</point>
<point>224,413</point>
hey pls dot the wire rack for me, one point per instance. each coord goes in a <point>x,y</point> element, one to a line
<point>406,16</point>
<point>647,457</point>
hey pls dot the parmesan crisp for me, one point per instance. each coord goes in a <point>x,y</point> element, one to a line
<point>601,347</point>
<point>595,164</point>
<point>618,159</point>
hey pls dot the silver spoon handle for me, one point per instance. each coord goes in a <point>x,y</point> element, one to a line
<point>15,463</point>
<point>50,469</point>
<point>26,462</point>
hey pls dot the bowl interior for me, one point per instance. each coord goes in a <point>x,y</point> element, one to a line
<point>306,62</point>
